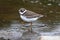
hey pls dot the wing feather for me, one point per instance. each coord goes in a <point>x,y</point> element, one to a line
<point>31,14</point>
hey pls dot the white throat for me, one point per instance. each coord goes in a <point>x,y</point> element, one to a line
<point>22,12</point>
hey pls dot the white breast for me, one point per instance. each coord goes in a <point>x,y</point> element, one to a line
<point>24,18</point>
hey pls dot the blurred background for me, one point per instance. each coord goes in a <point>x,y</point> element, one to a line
<point>49,8</point>
<point>10,20</point>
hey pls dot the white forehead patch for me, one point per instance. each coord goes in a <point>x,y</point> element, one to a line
<point>22,12</point>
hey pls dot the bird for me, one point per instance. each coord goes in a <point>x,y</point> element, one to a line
<point>29,16</point>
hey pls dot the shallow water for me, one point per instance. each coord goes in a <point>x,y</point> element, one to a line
<point>17,31</point>
<point>10,22</point>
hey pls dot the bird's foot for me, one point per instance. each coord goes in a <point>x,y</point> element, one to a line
<point>30,30</point>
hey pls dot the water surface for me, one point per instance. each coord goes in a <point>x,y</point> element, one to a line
<point>10,22</point>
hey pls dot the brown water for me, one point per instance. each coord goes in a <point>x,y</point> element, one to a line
<point>9,15</point>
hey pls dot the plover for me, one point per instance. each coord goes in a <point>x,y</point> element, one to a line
<point>29,16</point>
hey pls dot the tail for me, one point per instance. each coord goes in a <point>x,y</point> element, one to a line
<point>41,16</point>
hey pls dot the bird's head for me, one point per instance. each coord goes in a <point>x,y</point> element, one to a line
<point>22,10</point>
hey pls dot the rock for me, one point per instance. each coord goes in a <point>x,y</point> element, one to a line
<point>2,38</point>
<point>48,38</point>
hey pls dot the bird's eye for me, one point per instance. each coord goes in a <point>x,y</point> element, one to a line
<point>22,11</point>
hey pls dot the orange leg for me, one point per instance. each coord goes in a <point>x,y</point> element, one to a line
<point>30,28</point>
